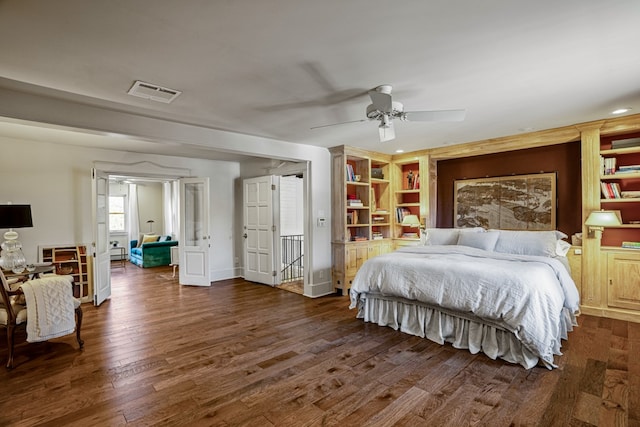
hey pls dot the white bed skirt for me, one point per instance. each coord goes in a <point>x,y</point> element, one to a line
<point>461,330</point>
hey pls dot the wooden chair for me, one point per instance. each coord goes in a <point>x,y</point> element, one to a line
<point>13,312</point>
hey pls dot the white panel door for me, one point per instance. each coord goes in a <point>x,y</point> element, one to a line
<point>194,243</point>
<point>100,244</point>
<point>261,230</point>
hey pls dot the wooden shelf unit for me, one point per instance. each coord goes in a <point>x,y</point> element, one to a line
<point>629,207</point>
<point>358,232</point>
<point>77,258</point>
<point>407,199</point>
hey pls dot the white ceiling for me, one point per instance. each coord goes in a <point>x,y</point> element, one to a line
<point>277,68</point>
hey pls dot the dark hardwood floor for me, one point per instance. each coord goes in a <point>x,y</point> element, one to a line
<point>239,353</point>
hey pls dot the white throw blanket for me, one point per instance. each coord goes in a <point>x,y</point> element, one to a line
<point>50,308</point>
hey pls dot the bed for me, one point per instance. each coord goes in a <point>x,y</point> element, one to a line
<point>508,294</point>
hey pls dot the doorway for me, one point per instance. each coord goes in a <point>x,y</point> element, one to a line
<point>140,206</point>
<point>292,233</point>
<point>280,219</point>
<point>100,174</point>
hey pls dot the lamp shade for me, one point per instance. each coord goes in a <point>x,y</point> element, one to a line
<point>411,221</point>
<point>15,216</point>
<point>604,219</point>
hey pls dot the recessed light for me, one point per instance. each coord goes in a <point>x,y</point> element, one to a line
<point>399,151</point>
<point>620,110</point>
<point>525,129</point>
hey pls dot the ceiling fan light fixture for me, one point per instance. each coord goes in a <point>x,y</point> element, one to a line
<point>386,131</point>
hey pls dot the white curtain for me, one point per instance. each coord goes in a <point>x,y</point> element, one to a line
<point>134,217</point>
<point>170,211</point>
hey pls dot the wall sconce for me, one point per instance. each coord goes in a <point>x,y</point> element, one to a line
<point>598,220</point>
<point>150,222</point>
<point>411,221</point>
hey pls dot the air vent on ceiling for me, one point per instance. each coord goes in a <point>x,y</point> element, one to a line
<point>153,92</point>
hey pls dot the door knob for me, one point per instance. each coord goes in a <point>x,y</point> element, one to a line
<point>244,235</point>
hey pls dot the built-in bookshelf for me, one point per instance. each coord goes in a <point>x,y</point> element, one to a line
<point>362,211</point>
<point>380,200</point>
<point>407,181</point>
<point>620,188</point>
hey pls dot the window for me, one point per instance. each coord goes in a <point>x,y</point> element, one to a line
<point>117,214</point>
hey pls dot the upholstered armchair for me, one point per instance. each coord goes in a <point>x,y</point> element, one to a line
<point>29,303</point>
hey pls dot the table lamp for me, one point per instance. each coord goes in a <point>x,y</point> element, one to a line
<point>13,216</point>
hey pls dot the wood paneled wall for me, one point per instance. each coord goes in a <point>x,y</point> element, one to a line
<point>564,159</point>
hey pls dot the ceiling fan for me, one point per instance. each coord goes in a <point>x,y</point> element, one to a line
<point>384,109</point>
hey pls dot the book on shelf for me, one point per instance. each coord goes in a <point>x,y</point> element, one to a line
<point>409,235</point>
<point>628,169</point>
<point>630,194</point>
<point>631,245</point>
<point>611,190</point>
<point>608,164</point>
<point>401,213</point>
<point>625,143</point>
<point>378,218</point>
<point>358,238</point>
<point>351,176</point>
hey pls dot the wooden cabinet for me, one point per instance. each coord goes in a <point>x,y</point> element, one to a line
<point>361,215</point>
<point>574,256</point>
<point>75,261</point>
<point>623,278</point>
<point>356,255</point>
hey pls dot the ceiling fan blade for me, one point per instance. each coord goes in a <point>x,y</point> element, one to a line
<point>381,101</point>
<point>435,116</point>
<point>341,123</point>
<point>387,132</point>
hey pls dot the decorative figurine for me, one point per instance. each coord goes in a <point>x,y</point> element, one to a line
<point>410,180</point>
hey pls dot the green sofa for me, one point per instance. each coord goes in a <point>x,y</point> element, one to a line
<point>152,254</point>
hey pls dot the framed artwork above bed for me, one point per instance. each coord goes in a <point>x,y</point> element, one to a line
<point>517,202</point>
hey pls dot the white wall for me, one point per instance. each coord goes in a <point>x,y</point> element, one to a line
<point>56,180</point>
<point>150,207</point>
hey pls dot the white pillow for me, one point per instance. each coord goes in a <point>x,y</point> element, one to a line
<point>541,243</point>
<point>441,236</point>
<point>486,241</point>
<point>562,247</point>
<point>447,236</point>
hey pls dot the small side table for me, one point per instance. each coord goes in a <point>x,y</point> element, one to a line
<point>122,255</point>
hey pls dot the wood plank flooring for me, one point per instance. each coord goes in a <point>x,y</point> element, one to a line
<point>242,354</point>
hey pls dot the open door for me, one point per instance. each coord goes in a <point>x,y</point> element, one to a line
<point>194,244</point>
<point>261,229</point>
<point>100,244</point>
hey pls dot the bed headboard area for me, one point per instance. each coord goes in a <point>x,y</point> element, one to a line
<point>562,160</point>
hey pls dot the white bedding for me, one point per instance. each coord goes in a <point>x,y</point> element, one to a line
<point>523,294</point>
